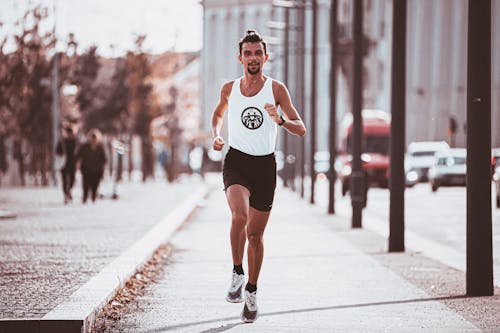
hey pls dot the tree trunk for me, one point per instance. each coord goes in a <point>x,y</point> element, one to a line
<point>147,163</point>
<point>19,156</point>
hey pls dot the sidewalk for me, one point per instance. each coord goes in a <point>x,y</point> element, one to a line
<point>50,250</point>
<point>318,275</point>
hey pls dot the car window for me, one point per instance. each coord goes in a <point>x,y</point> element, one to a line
<point>372,144</point>
<point>450,161</point>
<point>422,153</point>
<point>442,161</point>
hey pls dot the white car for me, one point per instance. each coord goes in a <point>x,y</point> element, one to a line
<point>449,169</point>
<point>419,158</point>
<point>496,178</point>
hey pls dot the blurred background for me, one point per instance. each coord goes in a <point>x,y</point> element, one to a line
<point>148,75</point>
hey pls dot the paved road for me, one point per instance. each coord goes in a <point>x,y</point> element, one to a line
<point>50,249</point>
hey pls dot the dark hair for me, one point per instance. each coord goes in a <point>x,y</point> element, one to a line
<point>252,36</point>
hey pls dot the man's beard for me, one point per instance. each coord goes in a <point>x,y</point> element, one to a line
<point>253,71</point>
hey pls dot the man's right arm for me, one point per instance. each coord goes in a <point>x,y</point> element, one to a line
<point>218,115</point>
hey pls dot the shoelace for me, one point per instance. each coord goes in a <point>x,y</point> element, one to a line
<point>251,300</point>
<point>235,281</point>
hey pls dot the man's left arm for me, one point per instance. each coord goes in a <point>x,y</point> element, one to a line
<point>290,120</point>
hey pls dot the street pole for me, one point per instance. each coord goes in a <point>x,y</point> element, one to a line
<point>286,169</point>
<point>55,112</point>
<point>398,123</point>
<point>55,100</point>
<point>479,276</point>
<point>332,176</point>
<point>300,72</point>
<point>357,174</point>
<point>312,119</point>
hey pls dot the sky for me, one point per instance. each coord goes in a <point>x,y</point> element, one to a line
<point>169,24</point>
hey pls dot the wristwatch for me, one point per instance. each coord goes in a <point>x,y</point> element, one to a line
<point>282,120</point>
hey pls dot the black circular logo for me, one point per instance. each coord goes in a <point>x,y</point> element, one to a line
<point>252,118</point>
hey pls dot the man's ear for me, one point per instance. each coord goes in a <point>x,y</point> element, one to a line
<point>267,57</point>
<point>239,58</point>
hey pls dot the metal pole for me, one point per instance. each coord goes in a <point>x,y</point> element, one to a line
<point>479,276</point>
<point>286,69</point>
<point>332,176</point>
<point>55,100</point>
<point>293,143</point>
<point>357,175</point>
<point>312,119</point>
<point>397,143</point>
<point>300,72</point>
<point>55,112</point>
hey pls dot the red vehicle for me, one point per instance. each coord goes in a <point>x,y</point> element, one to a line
<point>375,149</point>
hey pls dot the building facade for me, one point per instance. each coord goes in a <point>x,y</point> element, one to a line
<point>436,60</point>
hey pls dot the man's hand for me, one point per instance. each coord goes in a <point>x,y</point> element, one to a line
<point>273,112</point>
<point>218,143</point>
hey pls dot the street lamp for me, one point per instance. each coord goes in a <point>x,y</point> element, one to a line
<point>299,81</point>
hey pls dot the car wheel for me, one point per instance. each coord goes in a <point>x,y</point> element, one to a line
<point>498,202</point>
<point>434,187</point>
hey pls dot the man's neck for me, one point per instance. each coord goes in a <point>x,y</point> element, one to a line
<point>251,80</point>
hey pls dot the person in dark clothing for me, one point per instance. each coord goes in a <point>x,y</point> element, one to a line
<point>92,160</point>
<point>67,147</point>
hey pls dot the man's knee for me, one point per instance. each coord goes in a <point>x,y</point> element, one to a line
<point>254,239</point>
<point>239,219</point>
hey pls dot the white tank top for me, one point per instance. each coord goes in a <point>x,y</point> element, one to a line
<point>251,129</point>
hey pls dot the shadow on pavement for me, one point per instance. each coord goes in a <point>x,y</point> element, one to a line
<point>277,313</point>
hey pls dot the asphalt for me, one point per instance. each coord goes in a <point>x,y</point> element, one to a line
<point>319,275</point>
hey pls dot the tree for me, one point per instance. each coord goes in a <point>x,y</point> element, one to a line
<point>139,103</point>
<point>86,69</point>
<point>25,96</point>
<point>175,135</point>
<point>114,111</point>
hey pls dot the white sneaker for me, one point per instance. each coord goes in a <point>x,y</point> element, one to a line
<point>235,291</point>
<point>250,311</point>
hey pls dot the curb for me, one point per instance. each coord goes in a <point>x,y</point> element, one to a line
<point>77,313</point>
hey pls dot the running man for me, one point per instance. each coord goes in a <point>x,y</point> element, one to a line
<point>249,169</point>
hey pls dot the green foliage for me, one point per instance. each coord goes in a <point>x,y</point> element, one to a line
<point>118,104</point>
<point>84,77</point>
<point>113,115</point>
<point>139,91</point>
<point>25,92</point>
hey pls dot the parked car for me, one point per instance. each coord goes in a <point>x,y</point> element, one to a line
<point>449,169</point>
<point>496,179</point>
<point>495,158</point>
<point>419,158</point>
<point>375,149</point>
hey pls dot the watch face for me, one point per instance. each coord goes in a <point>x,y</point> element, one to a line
<point>252,118</point>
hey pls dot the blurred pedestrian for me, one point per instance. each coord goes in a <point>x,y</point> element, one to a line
<point>66,150</point>
<point>92,160</point>
<point>249,170</point>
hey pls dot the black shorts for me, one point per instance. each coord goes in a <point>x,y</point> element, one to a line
<point>256,173</point>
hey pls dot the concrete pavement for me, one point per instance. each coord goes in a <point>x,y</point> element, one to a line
<point>50,250</point>
<point>318,276</point>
